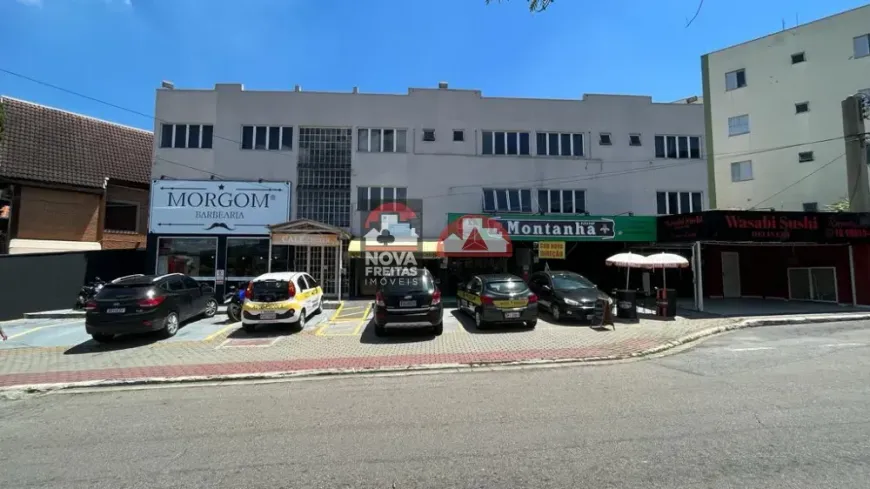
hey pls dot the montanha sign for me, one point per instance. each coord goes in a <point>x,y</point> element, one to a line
<point>218,207</point>
<point>525,227</point>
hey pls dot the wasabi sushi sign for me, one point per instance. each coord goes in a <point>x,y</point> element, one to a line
<point>525,227</point>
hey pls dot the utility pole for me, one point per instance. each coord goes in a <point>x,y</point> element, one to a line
<point>855,109</point>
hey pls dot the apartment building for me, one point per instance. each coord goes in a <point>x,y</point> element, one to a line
<point>773,114</point>
<point>69,182</point>
<point>456,151</point>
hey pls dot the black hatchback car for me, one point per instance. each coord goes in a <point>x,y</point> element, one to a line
<point>498,298</point>
<point>569,295</point>
<point>409,302</point>
<point>145,303</point>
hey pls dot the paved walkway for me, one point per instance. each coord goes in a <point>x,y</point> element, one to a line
<point>339,339</point>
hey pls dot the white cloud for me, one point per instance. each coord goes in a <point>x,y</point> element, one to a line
<point>31,3</point>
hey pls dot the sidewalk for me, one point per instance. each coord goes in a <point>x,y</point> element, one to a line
<point>349,344</point>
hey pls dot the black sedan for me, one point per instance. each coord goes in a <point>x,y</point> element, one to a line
<point>145,303</point>
<point>409,302</point>
<point>569,295</point>
<point>498,298</point>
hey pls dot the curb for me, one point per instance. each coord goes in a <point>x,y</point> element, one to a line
<point>13,391</point>
<point>55,315</point>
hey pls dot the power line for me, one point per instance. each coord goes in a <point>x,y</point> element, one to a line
<point>800,180</point>
<point>561,179</point>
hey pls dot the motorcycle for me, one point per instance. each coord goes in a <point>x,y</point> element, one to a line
<point>88,292</point>
<point>233,300</point>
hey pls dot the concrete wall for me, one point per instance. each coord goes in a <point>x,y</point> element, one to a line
<point>448,175</point>
<point>773,86</point>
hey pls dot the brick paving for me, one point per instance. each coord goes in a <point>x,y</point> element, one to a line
<point>314,349</point>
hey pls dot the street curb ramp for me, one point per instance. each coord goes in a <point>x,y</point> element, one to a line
<point>15,392</point>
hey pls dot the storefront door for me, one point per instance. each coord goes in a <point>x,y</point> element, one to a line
<point>731,274</point>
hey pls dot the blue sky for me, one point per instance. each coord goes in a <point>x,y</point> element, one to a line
<point>120,50</point>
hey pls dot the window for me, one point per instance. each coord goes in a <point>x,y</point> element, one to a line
<point>247,258</point>
<point>805,156</point>
<point>634,140</point>
<point>189,283</point>
<point>735,79</point>
<point>458,135</point>
<point>861,46</point>
<point>507,200</point>
<point>741,171</point>
<point>737,125</point>
<point>505,143</point>
<point>382,140</point>
<point>604,139</point>
<point>429,135</point>
<point>678,202</point>
<point>798,58</point>
<point>121,216</point>
<point>559,144</point>
<point>370,198</point>
<point>271,138</point>
<point>191,256</point>
<point>182,136</point>
<point>802,107</point>
<point>559,201</point>
<point>811,207</point>
<point>678,147</point>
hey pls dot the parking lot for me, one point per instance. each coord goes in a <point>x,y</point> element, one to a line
<point>350,319</point>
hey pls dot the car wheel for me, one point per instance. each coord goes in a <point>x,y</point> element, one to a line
<point>478,320</point>
<point>102,337</point>
<point>249,328</point>
<point>170,325</point>
<point>380,330</point>
<point>532,324</point>
<point>211,308</point>
<point>556,313</point>
<point>319,307</point>
<point>300,325</point>
<point>234,312</point>
<point>438,329</point>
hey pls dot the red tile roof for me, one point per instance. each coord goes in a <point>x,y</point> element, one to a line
<point>49,145</point>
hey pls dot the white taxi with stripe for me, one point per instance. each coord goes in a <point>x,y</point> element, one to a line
<point>283,297</point>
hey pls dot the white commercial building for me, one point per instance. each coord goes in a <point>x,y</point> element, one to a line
<point>457,151</point>
<point>773,114</point>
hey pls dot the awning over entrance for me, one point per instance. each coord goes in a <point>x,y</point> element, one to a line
<point>429,247</point>
<point>316,248</point>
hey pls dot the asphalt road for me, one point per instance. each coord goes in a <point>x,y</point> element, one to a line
<point>777,407</point>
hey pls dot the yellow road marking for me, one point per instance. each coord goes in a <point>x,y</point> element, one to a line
<point>362,321</point>
<point>221,331</point>
<point>337,311</point>
<point>33,330</point>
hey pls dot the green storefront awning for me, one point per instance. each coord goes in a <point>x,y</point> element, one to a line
<point>534,227</point>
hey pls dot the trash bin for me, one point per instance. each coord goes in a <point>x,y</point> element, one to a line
<point>666,303</point>
<point>626,304</point>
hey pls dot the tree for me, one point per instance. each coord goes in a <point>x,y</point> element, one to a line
<point>841,205</point>
<point>534,5</point>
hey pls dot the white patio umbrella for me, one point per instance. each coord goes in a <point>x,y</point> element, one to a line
<point>627,261</point>
<point>663,261</point>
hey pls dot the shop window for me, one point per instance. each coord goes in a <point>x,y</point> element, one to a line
<point>121,216</point>
<point>191,256</point>
<point>507,200</point>
<point>247,258</point>
<point>678,202</point>
<point>812,284</point>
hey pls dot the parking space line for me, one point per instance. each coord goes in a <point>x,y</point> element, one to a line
<point>362,321</point>
<point>221,331</point>
<point>38,328</point>
<point>337,311</point>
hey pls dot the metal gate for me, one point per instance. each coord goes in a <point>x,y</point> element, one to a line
<point>321,262</point>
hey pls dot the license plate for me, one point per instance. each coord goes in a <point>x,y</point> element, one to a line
<point>511,315</point>
<point>116,310</point>
<point>407,303</point>
<point>267,315</point>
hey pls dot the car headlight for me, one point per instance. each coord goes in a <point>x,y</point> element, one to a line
<point>571,302</point>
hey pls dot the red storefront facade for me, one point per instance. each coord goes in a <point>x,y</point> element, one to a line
<point>821,257</point>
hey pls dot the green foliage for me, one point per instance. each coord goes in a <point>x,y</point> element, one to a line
<point>534,5</point>
<point>841,205</point>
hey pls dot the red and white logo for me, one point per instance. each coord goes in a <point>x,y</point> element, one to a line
<point>391,227</point>
<point>474,236</point>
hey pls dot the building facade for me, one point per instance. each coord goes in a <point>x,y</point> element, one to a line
<point>773,114</point>
<point>453,151</point>
<point>69,182</point>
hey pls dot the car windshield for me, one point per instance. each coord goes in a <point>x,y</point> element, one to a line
<point>404,285</point>
<point>507,286</point>
<point>571,281</point>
